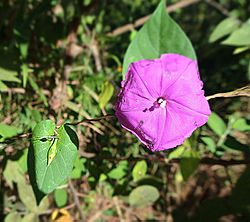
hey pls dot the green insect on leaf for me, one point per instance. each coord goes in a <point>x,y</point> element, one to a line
<point>55,151</point>
<point>52,151</point>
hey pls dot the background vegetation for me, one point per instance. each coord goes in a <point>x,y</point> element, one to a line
<point>62,60</point>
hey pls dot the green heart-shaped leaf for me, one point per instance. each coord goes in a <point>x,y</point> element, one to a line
<point>159,35</point>
<point>54,153</point>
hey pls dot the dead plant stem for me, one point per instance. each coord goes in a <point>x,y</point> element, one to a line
<point>141,21</point>
<point>77,201</point>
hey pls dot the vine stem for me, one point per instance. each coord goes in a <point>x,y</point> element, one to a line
<point>92,120</point>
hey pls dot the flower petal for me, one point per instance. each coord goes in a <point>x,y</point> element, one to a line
<point>132,101</point>
<point>186,79</point>
<point>134,94</point>
<point>173,66</point>
<point>150,73</point>
<point>135,82</point>
<point>180,124</point>
<point>146,126</point>
<point>186,90</point>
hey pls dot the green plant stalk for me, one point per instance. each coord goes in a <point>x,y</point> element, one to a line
<point>225,134</point>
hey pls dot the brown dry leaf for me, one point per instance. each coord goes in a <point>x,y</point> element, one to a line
<point>61,215</point>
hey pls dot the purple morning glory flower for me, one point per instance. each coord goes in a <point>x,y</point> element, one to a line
<point>162,102</point>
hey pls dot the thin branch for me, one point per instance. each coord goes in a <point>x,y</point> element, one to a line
<point>13,139</point>
<point>23,91</point>
<point>244,91</point>
<point>77,202</point>
<point>92,120</point>
<point>99,213</point>
<point>141,21</point>
<point>118,208</point>
<point>162,159</point>
<point>219,7</point>
<point>207,161</point>
<point>96,54</point>
<point>16,90</point>
<point>221,162</point>
<point>48,212</point>
<point>93,127</point>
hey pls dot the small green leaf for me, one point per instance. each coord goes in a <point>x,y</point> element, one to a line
<point>106,94</point>
<point>49,177</point>
<point>188,165</point>
<point>102,177</point>
<point>24,49</point>
<point>7,131</point>
<point>143,195</point>
<point>8,75</point>
<point>159,35</point>
<point>241,125</point>
<point>43,206</point>
<point>22,161</point>
<point>120,171</point>
<point>240,37</point>
<point>78,168</point>
<point>25,73</point>
<point>12,173</point>
<point>61,197</point>
<point>211,146</point>
<point>3,87</point>
<point>216,123</point>
<point>36,115</point>
<point>177,152</point>
<point>139,170</point>
<point>13,217</point>
<point>241,49</point>
<point>31,217</point>
<point>27,196</point>
<point>224,28</point>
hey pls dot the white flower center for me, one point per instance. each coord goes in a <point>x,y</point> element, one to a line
<point>162,102</point>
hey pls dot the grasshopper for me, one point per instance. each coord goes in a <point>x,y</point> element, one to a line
<point>52,151</point>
